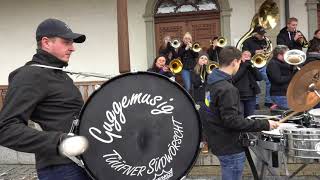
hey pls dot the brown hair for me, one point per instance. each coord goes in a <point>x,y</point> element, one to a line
<point>291,20</point>
<point>228,54</point>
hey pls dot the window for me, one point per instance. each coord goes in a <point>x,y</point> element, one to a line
<point>184,6</point>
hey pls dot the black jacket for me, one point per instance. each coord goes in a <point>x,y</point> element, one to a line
<point>312,56</point>
<point>198,86</point>
<point>214,53</point>
<point>313,43</point>
<point>168,50</point>
<point>246,80</point>
<point>287,38</point>
<point>224,120</point>
<point>252,44</point>
<point>279,74</point>
<point>46,96</point>
<point>188,57</point>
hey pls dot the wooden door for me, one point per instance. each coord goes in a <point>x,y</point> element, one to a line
<point>202,28</point>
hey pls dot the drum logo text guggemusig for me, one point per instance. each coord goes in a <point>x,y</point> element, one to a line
<point>112,127</point>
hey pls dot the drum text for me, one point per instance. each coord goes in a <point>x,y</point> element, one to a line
<point>116,118</point>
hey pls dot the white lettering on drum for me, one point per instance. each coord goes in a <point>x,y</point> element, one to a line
<point>118,164</point>
<point>115,118</point>
<point>157,164</point>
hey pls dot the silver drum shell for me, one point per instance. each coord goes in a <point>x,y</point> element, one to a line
<point>302,142</point>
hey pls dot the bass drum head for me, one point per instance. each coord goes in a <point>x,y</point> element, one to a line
<point>140,126</point>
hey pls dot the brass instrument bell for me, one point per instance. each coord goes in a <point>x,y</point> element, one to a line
<point>175,43</point>
<point>211,65</point>
<point>196,47</point>
<point>175,66</point>
<point>295,57</point>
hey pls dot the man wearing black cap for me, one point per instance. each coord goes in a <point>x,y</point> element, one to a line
<point>48,97</point>
<point>256,44</point>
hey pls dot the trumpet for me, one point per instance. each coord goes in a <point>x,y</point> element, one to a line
<point>259,60</point>
<point>295,57</point>
<point>175,43</point>
<point>221,42</point>
<point>196,47</point>
<point>211,65</point>
<point>302,40</point>
<point>175,66</point>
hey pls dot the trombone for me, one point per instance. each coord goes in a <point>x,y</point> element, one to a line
<point>175,66</point>
<point>175,43</point>
<point>211,65</point>
<point>196,47</point>
<point>221,42</point>
<point>259,60</point>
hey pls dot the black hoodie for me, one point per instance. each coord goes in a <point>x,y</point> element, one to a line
<point>279,74</point>
<point>287,38</point>
<point>223,119</point>
<point>46,96</point>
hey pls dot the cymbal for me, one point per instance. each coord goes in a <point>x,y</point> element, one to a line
<point>299,94</point>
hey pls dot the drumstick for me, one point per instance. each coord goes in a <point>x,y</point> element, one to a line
<point>287,117</point>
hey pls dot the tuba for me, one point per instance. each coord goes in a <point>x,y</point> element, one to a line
<point>295,57</point>
<point>175,66</point>
<point>266,17</point>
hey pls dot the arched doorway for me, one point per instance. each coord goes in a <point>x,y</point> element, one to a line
<point>175,17</point>
<point>225,13</point>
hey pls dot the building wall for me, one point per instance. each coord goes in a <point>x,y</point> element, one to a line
<point>298,9</point>
<point>241,16</point>
<point>98,20</point>
<point>137,35</point>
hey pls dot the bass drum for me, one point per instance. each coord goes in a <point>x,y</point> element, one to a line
<point>140,126</point>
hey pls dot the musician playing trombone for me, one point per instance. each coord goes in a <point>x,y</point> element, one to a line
<point>48,97</point>
<point>257,44</point>
<point>167,50</point>
<point>289,35</point>
<point>246,81</point>
<point>159,66</point>
<point>214,50</point>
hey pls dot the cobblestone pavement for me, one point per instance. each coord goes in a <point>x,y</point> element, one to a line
<point>17,172</point>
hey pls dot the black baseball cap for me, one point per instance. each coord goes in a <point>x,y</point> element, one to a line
<point>260,30</point>
<point>57,28</point>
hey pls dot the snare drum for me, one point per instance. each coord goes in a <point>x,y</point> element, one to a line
<point>275,134</point>
<point>140,126</point>
<point>315,115</point>
<point>298,118</point>
<point>302,142</point>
